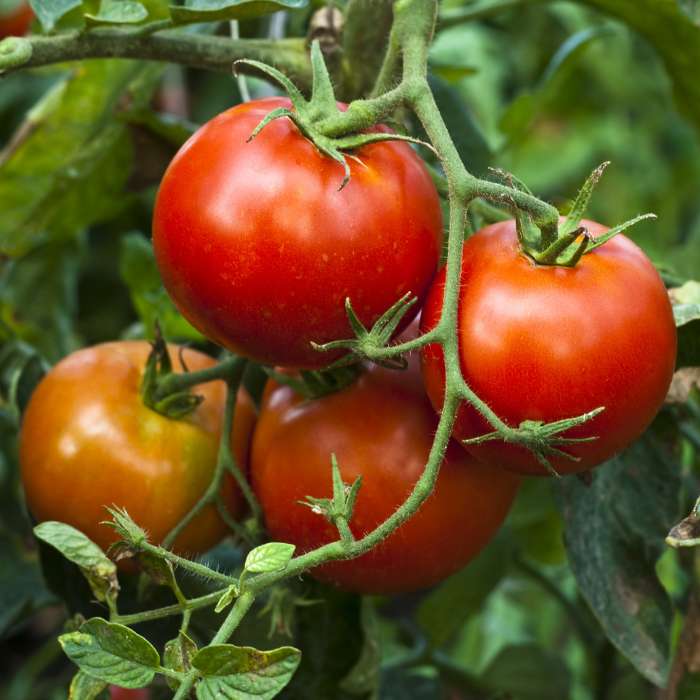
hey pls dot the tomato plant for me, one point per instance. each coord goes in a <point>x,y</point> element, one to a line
<point>259,249</point>
<point>291,226</point>
<point>88,442</point>
<point>380,429</point>
<point>16,20</point>
<point>545,342</point>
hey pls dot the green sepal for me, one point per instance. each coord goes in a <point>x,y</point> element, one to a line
<point>313,384</point>
<point>542,439</point>
<point>365,343</point>
<point>578,209</point>
<point>342,502</point>
<point>311,116</point>
<point>158,366</point>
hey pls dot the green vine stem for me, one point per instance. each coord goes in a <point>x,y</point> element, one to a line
<point>231,370</point>
<point>214,53</point>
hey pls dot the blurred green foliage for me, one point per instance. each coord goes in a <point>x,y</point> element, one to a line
<point>547,90</point>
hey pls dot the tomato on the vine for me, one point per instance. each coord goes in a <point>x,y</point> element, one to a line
<point>88,442</point>
<point>259,249</point>
<point>16,21</point>
<point>381,428</point>
<point>545,343</point>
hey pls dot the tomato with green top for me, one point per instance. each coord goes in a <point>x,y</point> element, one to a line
<point>544,343</point>
<point>259,248</point>
<point>381,428</point>
<point>88,442</point>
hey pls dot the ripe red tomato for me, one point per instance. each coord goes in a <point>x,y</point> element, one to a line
<point>117,693</point>
<point>259,249</point>
<point>87,441</point>
<point>381,428</point>
<point>16,22</point>
<point>546,343</point>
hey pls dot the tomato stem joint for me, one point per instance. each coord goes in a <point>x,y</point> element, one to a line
<point>366,342</point>
<point>339,508</point>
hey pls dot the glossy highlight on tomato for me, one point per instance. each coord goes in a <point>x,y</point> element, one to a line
<point>259,249</point>
<point>87,441</point>
<point>17,21</point>
<point>546,343</point>
<point>380,428</point>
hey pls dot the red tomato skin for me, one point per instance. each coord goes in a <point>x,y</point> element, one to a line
<point>117,693</point>
<point>88,442</point>
<point>17,21</point>
<point>546,343</point>
<point>259,249</point>
<point>382,428</point>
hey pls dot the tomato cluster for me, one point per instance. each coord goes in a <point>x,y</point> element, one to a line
<point>259,249</point>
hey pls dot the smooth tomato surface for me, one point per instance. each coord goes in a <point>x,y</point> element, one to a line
<point>87,441</point>
<point>17,21</point>
<point>547,343</point>
<point>259,249</point>
<point>381,428</point>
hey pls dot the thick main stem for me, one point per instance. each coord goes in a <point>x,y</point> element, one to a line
<point>175,46</point>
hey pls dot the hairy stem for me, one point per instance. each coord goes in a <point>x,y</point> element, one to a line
<point>170,610</point>
<point>175,46</point>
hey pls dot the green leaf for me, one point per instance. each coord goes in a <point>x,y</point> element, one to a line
<point>675,37</point>
<point>50,12</point>
<point>444,610</point>
<point>614,534</point>
<point>117,12</point>
<point>528,672</point>
<point>68,165</point>
<point>113,653</point>
<point>21,369</point>
<point>177,656</point>
<point>74,545</point>
<point>85,687</point>
<point>273,556</point>
<point>216,10</point>
<point>39,300</point>
<point>686,313</point>
<point>100,571</point>
<point>239,673</point>
<point>22,587</point>
<point>138,269</point>
<point>332,639</point>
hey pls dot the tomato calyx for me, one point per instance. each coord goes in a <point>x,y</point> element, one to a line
<point>565,247</point>
<point>158,366</point>
<point>313,384</point>
<point>367,343</point>
<point>543,439</point>
<point>339,508</point>
<point>315,118</point>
